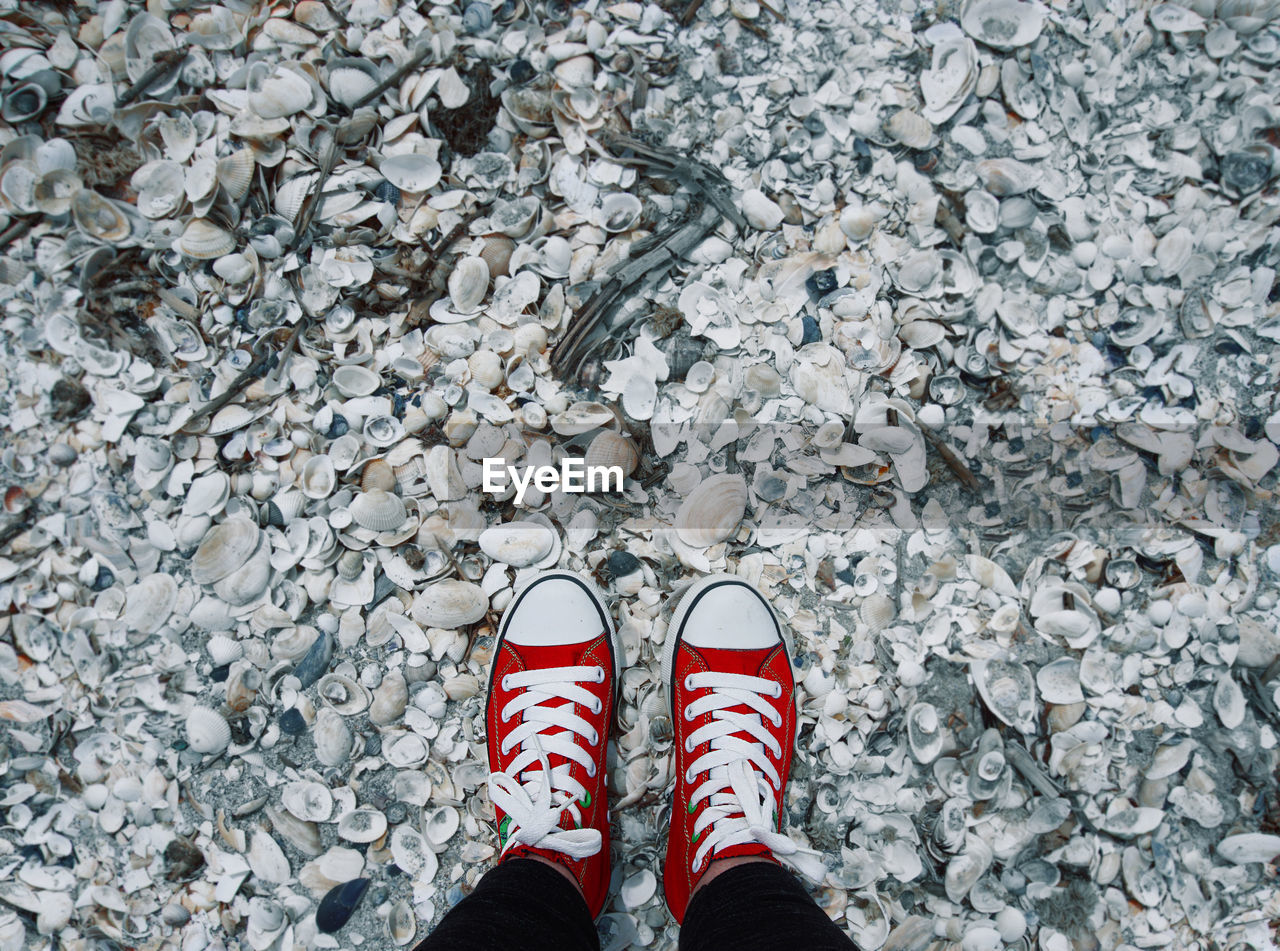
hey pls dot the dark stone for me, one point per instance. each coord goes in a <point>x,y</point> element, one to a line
<point>812,333</point>
<point>862,160</point>
<point>315,662</point>
<point>292,722</point>
<point>339,903</point>
<point>822,282</point>
<point>622,563</point>
<point>219,674</point>
<point>104,580</point>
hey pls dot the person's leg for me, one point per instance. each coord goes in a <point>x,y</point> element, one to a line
<point>758,906</point>
<point>728,673</point>
<point>520,905</point>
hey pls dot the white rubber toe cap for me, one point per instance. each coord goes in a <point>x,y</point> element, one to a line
<point>555,609</point>
<point>728,614</point>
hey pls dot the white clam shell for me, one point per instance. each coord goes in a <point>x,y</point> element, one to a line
<point>207,730</point>
<point>150,602</point>
<point>267,860</point>
<point>468,284</point>
<point>925,732</point>
<point>308,800</point>
<point>362,825</point>
<point>343,694</point>
<point>450,604</point>
<point>389,699</point>
<point>712,511</point>
<point>1002,24</point>
<point>441,826</point>
<point>332,737</point>
<point>518,544</point>
<point>1249,847</point>
<point>1059,681</point>
<point>412,853</point>
<point>318,477</point>
<point>411,172</point>
<point>1008,691</point>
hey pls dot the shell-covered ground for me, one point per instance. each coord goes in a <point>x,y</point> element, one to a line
<point>953,327</point>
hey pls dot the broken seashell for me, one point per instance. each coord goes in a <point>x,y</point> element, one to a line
<point>518,544</point>
<point>712,511</point>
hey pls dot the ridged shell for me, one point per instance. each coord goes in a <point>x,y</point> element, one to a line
<point>378,474</point>
<point>332,738</point>
<point>235,172</point>
<point>308,800</point>
<point>389,699</point>
<point>224,650</point>
<point>518,544</point>
<point>362,825</point>
<point>378,510</point>
<point>225,548</point>
<point>612,449</point>
<point>207,730</point>
<point>712,511</point>
<point>450,604</point>
<point>203,240</point>
<point>496,255</point>
<point>910,128</point>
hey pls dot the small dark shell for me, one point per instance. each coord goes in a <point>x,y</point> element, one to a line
<point>315,662</point>
<point>339,903</point>
<point>622,563</point>
<point>292,722</point>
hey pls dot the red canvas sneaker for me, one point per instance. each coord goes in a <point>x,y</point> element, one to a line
<point>550,703</point>
<point>729,677</point>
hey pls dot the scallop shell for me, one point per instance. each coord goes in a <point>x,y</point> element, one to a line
<point>362,825</point>
<point>925,732</point>
<point>468,284</point>
<point>378,510</point>
<point>450,604</point>
<point>223,650</point>
<point>207,730</point>
<point>203,240</point>
<point>1008,691</point>
<point>389,699</point>
<point>343,694</point>
<point>712,511</point>
<point>225,548</point>
<point>378,474</point>
<point>612,449</point>
<point>332,737</point>
<point>910,128</point>
<point>307,800</point>
<point>518,544</point>
<point>235,172</point>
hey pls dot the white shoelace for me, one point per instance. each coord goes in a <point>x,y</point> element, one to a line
<point>742,807</point>
<point>534,799</point>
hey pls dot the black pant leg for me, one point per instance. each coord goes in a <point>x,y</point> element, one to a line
<point>758,906</point>
<point>520,905</point>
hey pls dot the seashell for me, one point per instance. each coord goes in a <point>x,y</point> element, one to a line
<point>378,474</point>
<point>761,212</point>
<point>24,102</point>
<point>609,448</point>
<point>389,699</point>
<point>207,730</point>
<point>235,172</point>
<point>362,825</point>
<point>343,694</point>
<point>877,612</point>
<point>302,834</point>
<point>1003,177</point>
<point>225,548</point>
<point>411,172</point>
<point>279,92</point>
<point>1229,702</point>
<point>55,191</point>
<point>243,682</point>
<point>964,869</point>
<point>315,661</point>
<point>402,925</point>
<point>575,71</point>
<point>1008,691</point>
<point>150,602</point>
<point>925,732</point>
<point>1248,847</point>
<point>981,211</point>
<point>581,418</point>
<point>1126,821</point>
<point>96,217</point>
<point>440,826</point>
<point>203,240</point>
<point>224,650</point>
<point>406,751</point>
<point>411,852</point>
<point>339,904</point>
<point>332,738</point>
<point>284,507</point>
<point>518,544</point>
<point>267,860</point>
<point>619,212</point>
<point>318,477</point>
<point>910,128</point>
<point>450,604</point>
<point>712,511</point>
<point>378,510</point>
<point>1002,24</point>
<point>382,431</point>
<point>468,284</point>
<point>353,380</point>
<point>1059,681</point>
<point>351,81</point>
<point>496,255</point>
<point>307,800</point>
<point>246,583</point>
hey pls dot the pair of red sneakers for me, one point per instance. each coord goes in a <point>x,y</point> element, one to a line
<point>550,706</point>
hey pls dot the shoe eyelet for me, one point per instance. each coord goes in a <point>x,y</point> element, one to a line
<point>688,746</point>
<point>594,739</point>
<point>688,777</point>
<point>777,690</point>
<point>591,771</point>
<point>600,706</point>
<point>778,721</point>
<point>505,678</point>
<point>688,717</point>
<point>688,682</point>
<point>599,675</point>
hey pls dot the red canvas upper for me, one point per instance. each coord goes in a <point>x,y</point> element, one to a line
<point>591,873</point>
<point>772,663</point>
